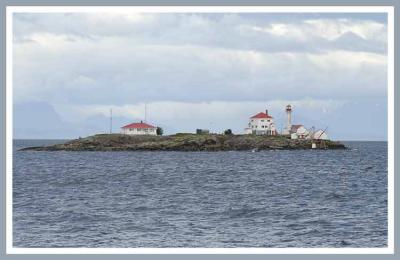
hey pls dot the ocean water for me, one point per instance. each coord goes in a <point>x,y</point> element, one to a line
<point>332,198</point>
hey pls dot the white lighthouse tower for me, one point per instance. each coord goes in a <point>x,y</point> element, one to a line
<point>288,127</point>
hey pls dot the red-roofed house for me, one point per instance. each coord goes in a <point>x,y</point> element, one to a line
<point>261,124</point>
<point>139,129</point>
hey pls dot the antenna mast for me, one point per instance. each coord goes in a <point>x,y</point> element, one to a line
<point>145,112</point>
<point>110,120</point>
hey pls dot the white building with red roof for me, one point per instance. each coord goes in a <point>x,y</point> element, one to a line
<point>139,129</point>
<point>261,124</point>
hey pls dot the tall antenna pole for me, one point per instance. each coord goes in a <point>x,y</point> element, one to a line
<point>111,121</point>
<point>145,112</point>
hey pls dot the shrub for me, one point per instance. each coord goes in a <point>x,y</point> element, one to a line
<point>228,132</point>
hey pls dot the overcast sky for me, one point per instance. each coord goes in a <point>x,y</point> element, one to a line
<point>199,71</point>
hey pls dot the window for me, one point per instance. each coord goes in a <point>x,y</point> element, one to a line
<point>269,120</point>
<point>262,120</point>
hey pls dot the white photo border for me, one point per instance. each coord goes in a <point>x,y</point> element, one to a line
<point>389,10</point>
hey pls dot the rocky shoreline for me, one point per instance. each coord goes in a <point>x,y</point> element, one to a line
<point>185,142</point>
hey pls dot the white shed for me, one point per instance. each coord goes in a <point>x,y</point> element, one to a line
<point>300,131</point>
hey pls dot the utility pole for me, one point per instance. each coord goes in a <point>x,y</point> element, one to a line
<point>145,112</point>
<point>110,120</point>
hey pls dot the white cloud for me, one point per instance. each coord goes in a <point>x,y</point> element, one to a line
<point>116,70</point>
<point>347,60</point>
<point>281,29</point>
<point>216,68</point>
<point>333,29</point>
<point>329,29</point>
<point>216,115</point>
<point>224,30</point>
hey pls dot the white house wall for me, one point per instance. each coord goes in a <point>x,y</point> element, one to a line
<point>139,131</point>
<point>258,123</point>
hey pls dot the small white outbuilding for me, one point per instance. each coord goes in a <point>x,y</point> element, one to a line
<point>299,132</point>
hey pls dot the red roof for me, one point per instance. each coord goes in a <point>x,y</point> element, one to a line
<point>138,125</point>
<point>261,115</point>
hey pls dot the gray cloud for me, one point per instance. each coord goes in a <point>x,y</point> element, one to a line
<point>232,31</point>
<point>96,61</point>
<point>119,72</point>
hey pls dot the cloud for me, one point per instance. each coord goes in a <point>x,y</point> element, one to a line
<point>344,119</point>
<point>186,116</point>
<point>328,29</point>
<point>235,31</point>
<point>125,58</point>
<point>214,68</point>
<point>171,110</point>
<point>119,71</point>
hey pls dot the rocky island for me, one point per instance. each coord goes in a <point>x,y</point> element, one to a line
<point>187,142</point>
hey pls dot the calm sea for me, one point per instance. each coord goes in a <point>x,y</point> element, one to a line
<point>334,198</point>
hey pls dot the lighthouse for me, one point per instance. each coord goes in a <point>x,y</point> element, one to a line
<point>288,127</point>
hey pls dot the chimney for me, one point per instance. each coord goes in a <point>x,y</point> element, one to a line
<point>266,112</point>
